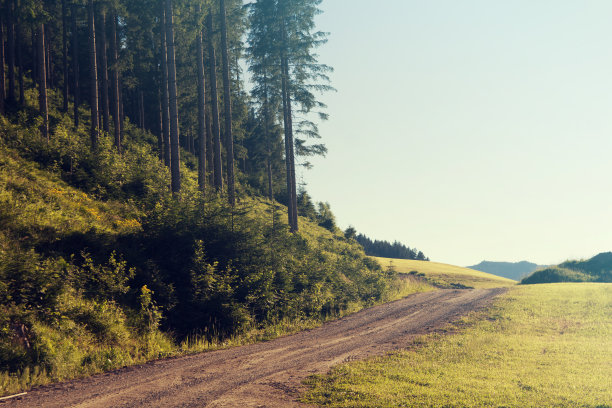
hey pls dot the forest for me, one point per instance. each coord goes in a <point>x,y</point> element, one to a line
<point>148,196</point>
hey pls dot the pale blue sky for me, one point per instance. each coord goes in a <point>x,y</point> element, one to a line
<point>470,129</point>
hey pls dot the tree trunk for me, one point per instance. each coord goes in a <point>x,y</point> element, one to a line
<point>11,50</point>
<point>141,107</point>
<point>209,149</point>
<point>227,99</point>
<point>160,134</point>
<point>2,79</point>
<point>202,139</point>
<point>64,59</point>
<point>104,71</point>
<point>117,123</point>
<point>214,103</point>
<point>164,86</point>
<point>42,83</point>
<point>75,66</point>
<point>49,58</point>
<point>288,125</point>
<point>20,63</point>
<point>174,123</point>
<point>93,72</point>
<point>34,46</point>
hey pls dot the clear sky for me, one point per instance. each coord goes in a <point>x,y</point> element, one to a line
<point>472,129</point>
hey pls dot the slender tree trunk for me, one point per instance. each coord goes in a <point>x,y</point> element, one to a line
<point>42,83</point>
<point>11,51</point>
<point>93,72</point>
<point>117,123</point>
<point>104,71</point>
<point>174,123</point>
<point>49,58</point>
<point>34,66</point>
<point>227,99</point>
<point>209,149</point>
<point>290,207</point>
<point>141,109</point>
<point>288,124</point>
<point>160,134</point>
<point>268,147</point>
<point>75,66</point>
<point>2,79</point>
<point>164,86</point>
<point>214,102</point>
<point>20,63</point>
<point>64,58</point>
<point>202,139</point>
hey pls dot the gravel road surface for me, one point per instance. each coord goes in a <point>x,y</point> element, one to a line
<point>267,374</point>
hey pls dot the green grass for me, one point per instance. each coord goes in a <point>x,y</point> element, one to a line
<point>538,346</point>
<point>446,276</point>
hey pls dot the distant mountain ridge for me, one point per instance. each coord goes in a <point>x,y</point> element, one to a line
<point>596,269</point>
<point>510,270</point>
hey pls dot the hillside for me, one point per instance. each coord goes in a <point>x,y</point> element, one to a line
<point>596,269</point>
<point>101,266</point>
<point>444,275</point>
<point>510,270</point>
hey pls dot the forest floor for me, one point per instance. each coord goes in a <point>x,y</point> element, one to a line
<point>268,374</point>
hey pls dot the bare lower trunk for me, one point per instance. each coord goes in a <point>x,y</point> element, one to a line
<point>117,123</point>
<point>49,57</point>
<point>42,83</point>
<point>201,112</point>
<point>93,76</point>
<point>214,102</point>
<point>64,59</point>
<point>2,79</point>
<point>174,125</point>
<point>164,86</point>
<point>11,50</point>
<point>288,124</point>
<point>227,100</point>
<point>209,149</point>
<point>160,142</point>
<point>104,72</point>
<point>75,67</point>
<point>18,32</point>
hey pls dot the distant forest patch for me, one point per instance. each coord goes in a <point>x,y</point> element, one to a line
<point>386,249</point>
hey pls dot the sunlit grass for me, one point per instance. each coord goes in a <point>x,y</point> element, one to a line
<point>539,346</point>
<point>446,275</point>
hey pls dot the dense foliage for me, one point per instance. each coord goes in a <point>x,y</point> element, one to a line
<point>96,251</point>
<point>596,269</point>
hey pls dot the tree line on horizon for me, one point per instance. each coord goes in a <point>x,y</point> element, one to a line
<point>174,69</point>
<point>386,249</point>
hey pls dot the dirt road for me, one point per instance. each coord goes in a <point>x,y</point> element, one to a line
<point>267,374</point>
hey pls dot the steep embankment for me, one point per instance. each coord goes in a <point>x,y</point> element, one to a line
<point>444,275</point>
<point>101,267</point>
<point>596,269</point>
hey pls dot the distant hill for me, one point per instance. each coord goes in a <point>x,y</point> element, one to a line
<point>596,269</point>
<point>510,270</point>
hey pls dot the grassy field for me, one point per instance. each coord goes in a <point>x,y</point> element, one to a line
<point>445,275</point>
<point>539,346</point>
